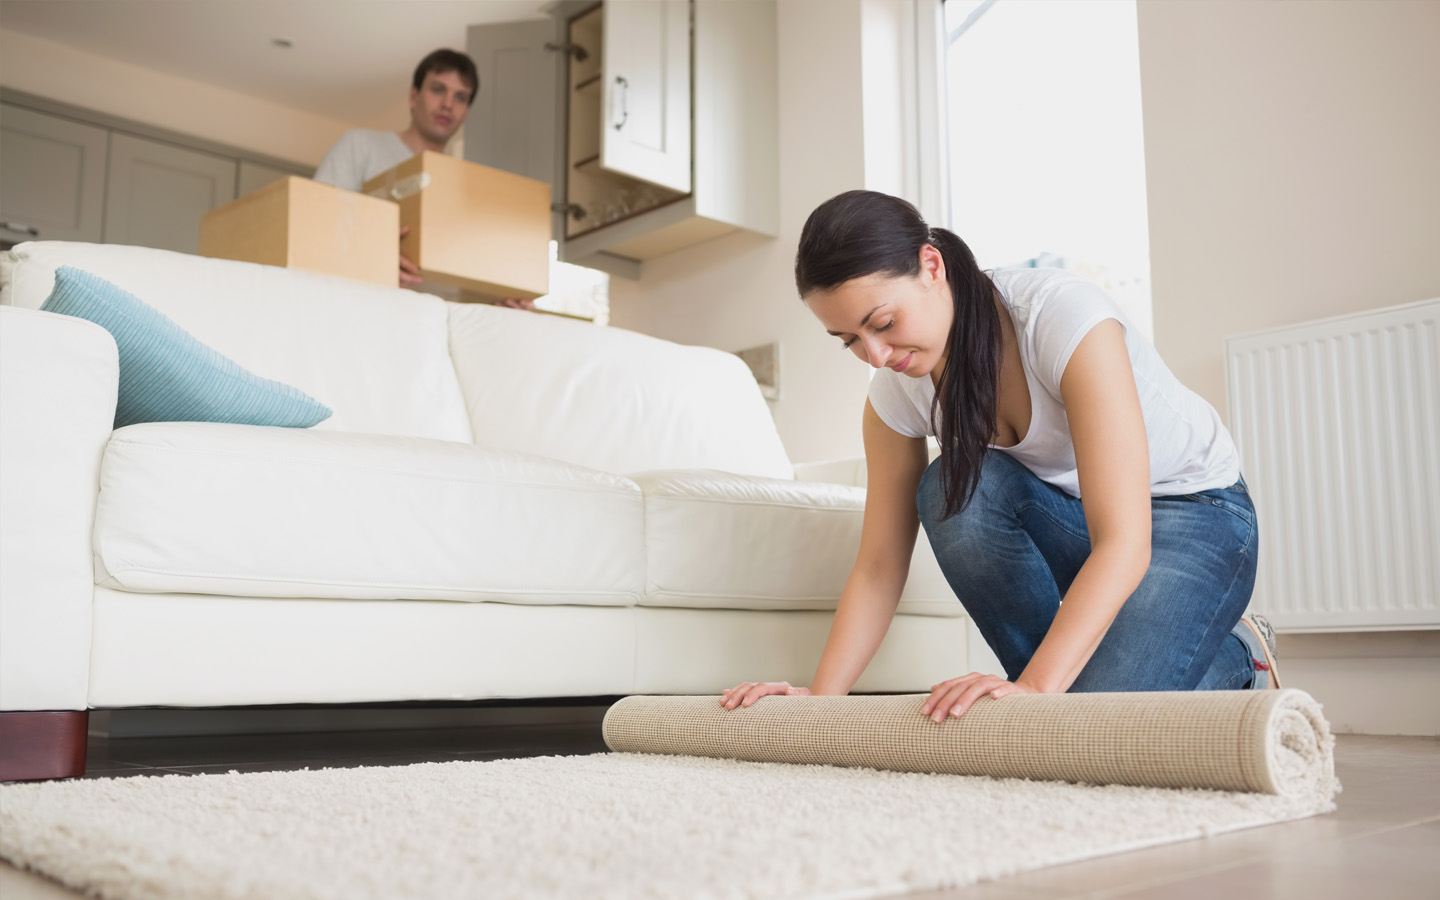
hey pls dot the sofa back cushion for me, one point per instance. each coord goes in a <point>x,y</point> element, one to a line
<point>607,398</point>
<point>379,357</point>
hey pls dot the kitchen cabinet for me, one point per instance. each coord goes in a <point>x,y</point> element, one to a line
<point>664,121</point>
<point>52,179</point>
<point>74,174</point>
<point>254,176</point>
<point>157,193</point>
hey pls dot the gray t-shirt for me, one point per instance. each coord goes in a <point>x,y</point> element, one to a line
<point>360,155</point>
<point>1190,449</point>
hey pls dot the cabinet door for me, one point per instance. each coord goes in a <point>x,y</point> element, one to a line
<point>157,193</point>
<point>52,177</point>
<point>512,124</point>
<point>646,92</point>
<point>254,176</point>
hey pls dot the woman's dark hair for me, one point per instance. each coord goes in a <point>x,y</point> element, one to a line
<point>861,233</point>
<point>442,61</point>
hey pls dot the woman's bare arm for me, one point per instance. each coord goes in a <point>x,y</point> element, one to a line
<point>1113,460</point>
<point>894,464</point>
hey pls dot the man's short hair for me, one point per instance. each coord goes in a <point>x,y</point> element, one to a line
<point>442,61</point>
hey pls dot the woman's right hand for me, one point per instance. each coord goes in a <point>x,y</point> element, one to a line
<point>746,693</point>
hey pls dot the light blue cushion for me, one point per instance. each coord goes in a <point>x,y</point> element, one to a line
<point>166,375</point>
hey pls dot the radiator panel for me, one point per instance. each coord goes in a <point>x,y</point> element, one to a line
<point>1338,427</point>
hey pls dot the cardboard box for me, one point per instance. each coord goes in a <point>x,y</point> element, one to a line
<point>482,230</point>
<point>303,224</point>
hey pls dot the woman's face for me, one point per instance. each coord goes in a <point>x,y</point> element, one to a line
<point>901,323</point>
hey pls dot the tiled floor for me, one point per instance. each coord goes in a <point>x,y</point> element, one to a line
<point>1383,842</point>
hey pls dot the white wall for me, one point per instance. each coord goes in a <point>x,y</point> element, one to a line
<point>65,74</point>
<point>842,89</point>
<point>1291,151</point>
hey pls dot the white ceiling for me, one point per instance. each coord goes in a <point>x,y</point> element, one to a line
<point>351,59</point>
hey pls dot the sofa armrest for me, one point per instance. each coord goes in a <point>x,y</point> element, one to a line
<point>58,380</point>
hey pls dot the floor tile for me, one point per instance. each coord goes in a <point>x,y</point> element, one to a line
<point>109,769</point>
<point>294,750</point>
<point>1380,778</point>
<point>1388,780</point>
<point>1185,859</point>
<point>1389,865</point>
<point>986,890</point>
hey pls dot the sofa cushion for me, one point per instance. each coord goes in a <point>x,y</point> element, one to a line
<point>274,512</point>
<point>716,540</point>
<point>379,357</point>
<point>168,376</point>
<point>607,398</point>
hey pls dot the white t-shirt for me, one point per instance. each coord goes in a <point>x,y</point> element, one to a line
<point>360,155</point>
<point>1190,449</point>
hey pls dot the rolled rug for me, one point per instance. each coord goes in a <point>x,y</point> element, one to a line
<point>1274,742</point>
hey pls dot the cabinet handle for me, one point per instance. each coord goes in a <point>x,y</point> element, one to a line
<point>624,102</point>
<point>20,229</point>
<point>574,50</point>
<point>570,209</point>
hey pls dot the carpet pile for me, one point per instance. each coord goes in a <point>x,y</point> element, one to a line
<point>610,825</point>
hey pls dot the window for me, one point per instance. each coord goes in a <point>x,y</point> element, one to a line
<point>576,291</point>
<point>1046,149</point>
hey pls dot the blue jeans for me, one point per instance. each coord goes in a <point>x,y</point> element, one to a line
<point>1012,553</point>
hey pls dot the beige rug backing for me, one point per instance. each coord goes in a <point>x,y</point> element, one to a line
<point>1265,741</point>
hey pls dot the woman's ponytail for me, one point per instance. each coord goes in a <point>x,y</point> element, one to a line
<point>964,411</point>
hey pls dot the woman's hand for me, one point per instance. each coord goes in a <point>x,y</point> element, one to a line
<point>955,696</point>
<point>748,692</point>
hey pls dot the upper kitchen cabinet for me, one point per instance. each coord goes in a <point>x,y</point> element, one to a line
<point>644,91</point>
<point>52,181</point>
<point>662,119</point>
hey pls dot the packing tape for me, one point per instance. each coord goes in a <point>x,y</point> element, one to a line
<point>408,186</point>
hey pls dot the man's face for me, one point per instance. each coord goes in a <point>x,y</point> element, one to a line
<point>438,107</point>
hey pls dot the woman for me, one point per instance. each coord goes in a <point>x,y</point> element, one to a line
<point>1073,465</point>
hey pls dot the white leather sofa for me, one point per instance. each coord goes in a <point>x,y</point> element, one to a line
<point>504,504</point>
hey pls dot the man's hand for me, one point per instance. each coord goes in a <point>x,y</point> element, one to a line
<point>955,696</point>
<point>409,272</point>
<point>515,303</point>
<point>746,693</point>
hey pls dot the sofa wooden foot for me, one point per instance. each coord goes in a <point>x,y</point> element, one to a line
<point>39,745</point>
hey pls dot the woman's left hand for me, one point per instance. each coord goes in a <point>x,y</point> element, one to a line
<point>955,696</point>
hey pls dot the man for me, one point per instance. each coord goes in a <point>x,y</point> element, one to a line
<point>441,92</point>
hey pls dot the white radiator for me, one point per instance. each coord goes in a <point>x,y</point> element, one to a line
<point>1338,425</point>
